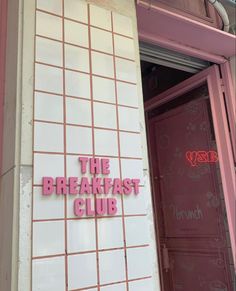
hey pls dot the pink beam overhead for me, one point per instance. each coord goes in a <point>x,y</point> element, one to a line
<point>174,31</point>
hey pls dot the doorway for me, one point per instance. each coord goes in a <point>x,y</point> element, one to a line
<point>192,230</point>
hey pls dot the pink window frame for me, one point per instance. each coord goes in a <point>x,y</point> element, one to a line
<point>3,38</point>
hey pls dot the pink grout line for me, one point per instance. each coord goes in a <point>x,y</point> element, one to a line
<point>83,72</point>
<point>64,139</point>
<point>81,22</point>
<point>90,251</point>
<point>93,142</point>
<point>32,198</point>
<point>119,156</point>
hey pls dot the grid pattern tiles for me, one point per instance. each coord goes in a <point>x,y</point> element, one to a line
<point>86,103</point>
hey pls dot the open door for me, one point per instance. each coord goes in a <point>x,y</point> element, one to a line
<point>193,184</point>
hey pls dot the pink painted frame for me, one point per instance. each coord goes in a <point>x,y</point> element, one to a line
<point>212,77</point>
<point>3,34</point>
<point>230,99</point>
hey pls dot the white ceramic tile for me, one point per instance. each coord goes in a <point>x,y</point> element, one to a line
<point>100,17</point>
<point>136,229</point>
<point>48,51</point>
<point>104,90</point>
<point>126,70</point>
<point>141,285</point>
<point>129,119</point>
<point>48,137</point>
<point>101,40</point>
<point>102,65</point>
<point>78,111</point>
<point>136,204</point>
<point>54,6</point>
<point>82,271</point>
<point>76,9</point>
<point>76,58</point>
<point>48,274</point>
<point>78,140</point>
<point>127,94</point>
<point>122,24</point>
<point>70,205</point>
<point>124,47</point>
<point>112,260</point>
<point>48,238</point>
<point>132,168</point>
<point>48,107</point>
<point>110,233</point>
<point>106,142</point>
<point>139,262</point>
<point>74,168</point>
<point>46,165</point>
<point>76,33</point>
<point>47,207</point>
<point>81,235</point>
<point>104,115</point>
<point>48,79</point>
<point>115,287</point>
<point>48,25</point>
<point>130,145</point>
<point>77,84</point>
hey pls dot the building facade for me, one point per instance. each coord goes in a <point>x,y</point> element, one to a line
<point>107,181</point>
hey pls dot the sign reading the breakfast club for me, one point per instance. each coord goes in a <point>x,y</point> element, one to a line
<point>96,185</point>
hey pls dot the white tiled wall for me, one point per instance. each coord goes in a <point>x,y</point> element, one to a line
<point>86,102</point>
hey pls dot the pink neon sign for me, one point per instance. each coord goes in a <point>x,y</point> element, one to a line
<point>92,186</point>
<point>196,157</point>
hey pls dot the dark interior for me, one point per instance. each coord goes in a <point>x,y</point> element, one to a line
<point>157,78</point>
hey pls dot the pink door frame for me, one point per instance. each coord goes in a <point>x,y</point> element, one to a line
<point>219,115</point>
<point>229,92</point>
<point>3,34</point>
<point>165,28</point>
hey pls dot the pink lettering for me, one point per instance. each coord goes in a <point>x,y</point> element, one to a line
<point>112,206</point>
<point>73,185</point>
<point>89,210</point>
<point>77,204</point>
<point>85,187</point>
<point>95,166</point>
<point>213,157</point>
<point>117,186</point>
<point>101,206</point>
<point>136,185</point>
<point>96,185</point>
<point>83,161</point>
<point>61,185</point>
<point>105,166</point>
<point>127,187</point>
<point>48,185</point>
<point>191,157</point>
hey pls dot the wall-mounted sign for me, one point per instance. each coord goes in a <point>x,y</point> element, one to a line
<point>197,157</point>
<point>98,184</point>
